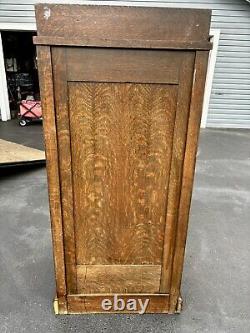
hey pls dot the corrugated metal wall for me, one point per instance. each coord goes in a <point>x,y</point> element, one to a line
<point>230,98</point>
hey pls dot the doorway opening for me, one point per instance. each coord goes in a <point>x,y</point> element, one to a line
<point>19,81</point>
<point>20,67</point>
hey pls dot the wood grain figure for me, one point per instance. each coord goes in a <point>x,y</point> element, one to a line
<point>122,101</point>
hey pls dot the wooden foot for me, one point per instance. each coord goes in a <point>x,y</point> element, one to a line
<point>179,305</point>
<point>55,305</point>
<point>60,306</point>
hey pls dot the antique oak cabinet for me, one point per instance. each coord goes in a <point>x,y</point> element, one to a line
<point>122,91</point>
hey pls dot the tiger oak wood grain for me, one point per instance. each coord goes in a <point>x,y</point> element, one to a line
<point>122,103</point>
<point>51,150</point>
<point>198,85</point>
<point>120,170</point>
<point>175,182</point>
<point>64,152</point>
<point>123,279</point>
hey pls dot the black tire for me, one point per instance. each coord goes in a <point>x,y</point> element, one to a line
<point>22,122</point>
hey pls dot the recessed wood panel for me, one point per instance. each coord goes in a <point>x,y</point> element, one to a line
<point>124,279</point>
<point>123,65</point>
<point>121,142</point>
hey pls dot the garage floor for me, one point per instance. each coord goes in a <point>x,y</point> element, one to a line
<point>30,136</point>
<point>216,280</point>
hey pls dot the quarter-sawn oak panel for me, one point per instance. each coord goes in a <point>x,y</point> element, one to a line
<point>121,152</point>
<point>122,279</point>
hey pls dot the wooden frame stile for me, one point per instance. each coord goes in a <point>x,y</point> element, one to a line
<point>64,147</point>
<point>195,113</point>
<point>50,135</point>
<point>174,188</point>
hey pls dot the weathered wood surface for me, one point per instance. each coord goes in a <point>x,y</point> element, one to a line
<point>121,156</point>
<point>109,65</point>
<point>121,131</point>
<point>122,279</point>
<point>124,43</point>
<point>51,150</point>
<point>176,169</point>
<point>158,303</point>
<point>65,169</point>
<point>189,160</point>
<point>123,23</point>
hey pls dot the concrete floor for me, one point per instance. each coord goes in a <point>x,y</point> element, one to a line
<point>216,279</point>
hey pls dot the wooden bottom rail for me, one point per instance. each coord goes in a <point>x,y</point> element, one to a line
<point>117,303</point>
